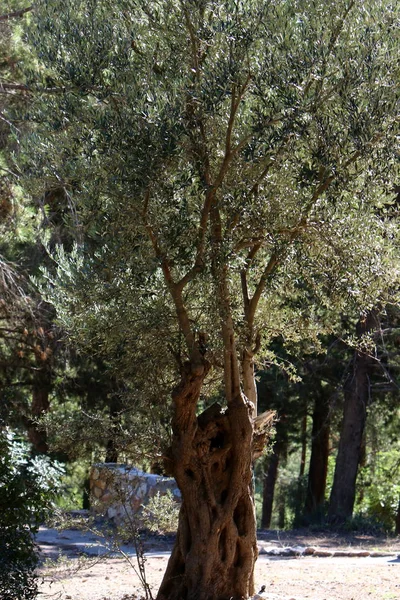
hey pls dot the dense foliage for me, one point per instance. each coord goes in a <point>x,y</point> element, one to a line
<point>27,490</point>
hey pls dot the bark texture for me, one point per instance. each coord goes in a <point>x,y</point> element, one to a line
<point>356,400</point>
<point>318,470</point>
<point>277,456</point>
<point>211,459</point>
<point>40,405</point>
<point>348,457</point>
<point>42,385</point>
<point>269,488</point>
<point>397,524</point>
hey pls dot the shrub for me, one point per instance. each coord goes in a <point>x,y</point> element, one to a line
<point>27,488</point>
<point>161,513</point>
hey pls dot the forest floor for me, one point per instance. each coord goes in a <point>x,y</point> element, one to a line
<point>72,574</point>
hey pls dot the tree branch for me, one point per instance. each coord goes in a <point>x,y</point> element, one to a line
<point>243,274</point>
<point>193,40</point>
<point>235,103</point>
<point>198,263</point>
<point>174,289</point>
<point>16,13</point>
<point>229,152</point>
<point>219,270</point>
<point>272,263</point>
<point>13,86</point>
<point>293,233</point>
<point>200,150</point>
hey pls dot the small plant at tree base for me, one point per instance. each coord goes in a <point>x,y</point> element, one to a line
<point>161,513</point>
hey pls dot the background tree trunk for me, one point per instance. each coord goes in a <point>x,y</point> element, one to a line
<point>348,457</point>
<point>271,476</point>
<point>303,442</point>
<point>397,524</point>
<point>356,399</point>
<point>318,470</point>
<point>40,405</point>
<point>281,511</point>
<point>269,482</point>
<point>299,498</point>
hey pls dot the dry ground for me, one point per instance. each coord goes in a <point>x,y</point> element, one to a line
<point>311,578</point>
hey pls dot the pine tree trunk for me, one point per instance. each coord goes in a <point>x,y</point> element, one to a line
<point>39,406</point>
<point>279,452</point>
<point>397,524</point>
<point>299,498</point>
<point>319,456</point>
<point>356,399</point>
<point>348,457</point>
<point>281,511</point>
<point>43,351</point>
<point>211,459</point>
<point>269,487</point>
<point>303,443</point>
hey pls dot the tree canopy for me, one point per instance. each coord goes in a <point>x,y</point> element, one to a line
<point>283,115</point>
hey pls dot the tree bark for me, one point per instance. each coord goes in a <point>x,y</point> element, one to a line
<point>397,524</point>
<point>269,488</point>
<point>211,459</point>
<point>279,452</point>
<point>281,511</point>
<point>318,470</point>
<point>40,405</point>
<point>348,457</point>
<point>44,347</point>
<point>249,380</point>
<point>303,443</point>
<point>356,399</point>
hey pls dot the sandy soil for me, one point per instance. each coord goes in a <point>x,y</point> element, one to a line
<point>298,578</point>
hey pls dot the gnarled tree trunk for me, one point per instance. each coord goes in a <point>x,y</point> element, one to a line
<point>211,459</point>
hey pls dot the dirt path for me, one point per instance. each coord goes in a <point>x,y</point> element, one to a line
<point>298,578</point>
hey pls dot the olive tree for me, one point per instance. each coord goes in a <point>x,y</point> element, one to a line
<point>229,164</point>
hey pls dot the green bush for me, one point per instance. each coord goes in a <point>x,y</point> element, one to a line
<point>27,488</point>
<point>365,524</point>
<point>161,514</point>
